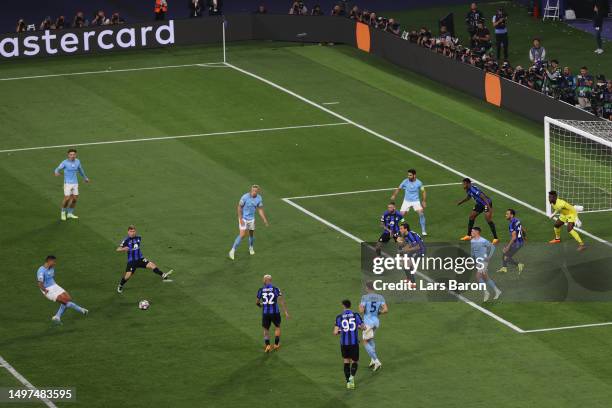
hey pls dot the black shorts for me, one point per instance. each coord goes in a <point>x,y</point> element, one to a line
<point>132,266</point>
<point>351,351</point>
<point>268,319</point>
<point>479,208</point>
<point>386,237</point>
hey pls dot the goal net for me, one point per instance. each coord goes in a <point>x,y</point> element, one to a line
<point>579,162</point>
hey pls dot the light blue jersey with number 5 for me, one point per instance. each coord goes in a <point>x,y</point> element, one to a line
<point>372,303</point>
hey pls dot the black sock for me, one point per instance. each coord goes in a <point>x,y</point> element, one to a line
<point>354,369</point>
<point>470,226</point>
<point>493,230</point>
<point>276,340</point>
<point>347,371</point>
<point>511,261</point>
<point>267,341</point>
<point>123,280</point>
<point>158,271</point>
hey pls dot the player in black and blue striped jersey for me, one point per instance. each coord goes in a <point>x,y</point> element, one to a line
<point>410,243</point>
<point>347,327</point>
<point>268,298</point>
<point>483,204</point>
<point>390,222</point>
<point>131,245</point>
<point>517,240</point>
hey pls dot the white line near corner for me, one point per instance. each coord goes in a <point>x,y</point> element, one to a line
<point>404,147</point>
<point>154,139</point>
<point>24,381</point>
<point>579,326</point>
<point>425,277</point>
<point>111,71</point>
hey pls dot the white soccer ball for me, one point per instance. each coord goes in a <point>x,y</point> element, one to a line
<point>143,304</point>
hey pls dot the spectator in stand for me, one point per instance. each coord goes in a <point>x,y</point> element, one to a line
<point>600,10</point>
<point>482,38</point>
<point>337,11</point>
<point>46,24</point>
<point>298,9</point>
<point>21,26</point>
<point>60,23</point>
<point>355,14</point>
<point>500,20</point>
<point>537,53</point>
<point>116,19</point>
<point>195,8</point>
<point>584,88</point>
<point>316,11</point>
<point>215,7</point>
<point>161,8</point>
<point>471,20</point>
<point>79,20</point>
<point>261,9</point>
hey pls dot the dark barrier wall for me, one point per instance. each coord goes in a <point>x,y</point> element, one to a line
<point>499,92</point>
<point>307,29</point>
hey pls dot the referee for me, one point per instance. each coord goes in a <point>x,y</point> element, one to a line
<point>501,33</point>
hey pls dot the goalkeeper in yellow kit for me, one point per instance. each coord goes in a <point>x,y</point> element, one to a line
<point>567,215</point>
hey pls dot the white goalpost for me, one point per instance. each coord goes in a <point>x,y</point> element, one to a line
<point>578,161</point>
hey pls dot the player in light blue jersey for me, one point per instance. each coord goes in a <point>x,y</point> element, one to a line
<point>249,204</point>
<point>482,250</point>
<point>415,197</point>
<point>372,305</point>
<point>71,166</point>
<point>45,276</point>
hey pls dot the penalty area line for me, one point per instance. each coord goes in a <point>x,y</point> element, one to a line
<point>24,381</point>
<point>579,326</point>
<point>365,191</point>
<point>154,139</point>
<point>421,275</point>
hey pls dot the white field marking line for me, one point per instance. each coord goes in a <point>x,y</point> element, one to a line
<point>365,191</point>
<point>152,139</point>
<point>330,103</point>
<point>110,71</point>
<point>579,326</point>
<point>404,147</point>
<point>425,277</point>
<point>24,381</point>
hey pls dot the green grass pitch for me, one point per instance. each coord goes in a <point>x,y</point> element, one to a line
<point>200,343</point>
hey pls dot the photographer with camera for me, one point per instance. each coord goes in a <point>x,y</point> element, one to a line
<point>393,27</point>
<point>598,95</point>
<point>298,9</point>
<point>195,8</point>
<point>553,79</point>
<point>606,101</point>
<point>482,38</point>
<point>316,11</point>
<point>21,26</point>
<point>471,20</point>
<point>584,88</point>
<point>355,14</point>
<point>505,71</point>
<point>520,75</point>
<point>500,20</point>
<point>568,87</point>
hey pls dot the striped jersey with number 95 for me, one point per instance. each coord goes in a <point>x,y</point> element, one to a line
<point>348,322</point>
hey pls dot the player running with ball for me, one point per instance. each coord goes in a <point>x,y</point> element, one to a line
<point>567,215</point>
<point>413,191</point>
<point>71,166</point>
<point>54,292</point>
<point>372,304</point>
<point>248,204</point>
